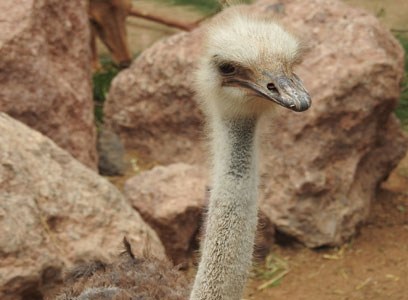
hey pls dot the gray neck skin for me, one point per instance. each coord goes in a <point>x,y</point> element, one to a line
<point>232,216</point>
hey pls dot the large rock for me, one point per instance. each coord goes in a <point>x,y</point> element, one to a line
<point>321,168</point>
<point>45,78</point>
<point>111,153</point>
<point>151,102</point>
<point>54,211</point>
<point>172,199</point>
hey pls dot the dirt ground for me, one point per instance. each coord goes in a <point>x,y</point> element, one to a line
<point>372,266</point>
<point>393,13</point>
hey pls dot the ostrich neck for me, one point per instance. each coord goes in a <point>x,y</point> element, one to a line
<point>232,216</point>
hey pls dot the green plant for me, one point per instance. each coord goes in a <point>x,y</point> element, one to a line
<point>206,6</point>
<point>101,81</point>
<point>272,272</point>
<point>402,109</point>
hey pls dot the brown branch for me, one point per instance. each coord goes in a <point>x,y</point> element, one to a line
<point>171,23</point>
<point>399,30</point>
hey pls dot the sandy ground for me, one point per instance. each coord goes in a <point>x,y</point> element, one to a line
<point>393,13</point>
<point>372,266</point>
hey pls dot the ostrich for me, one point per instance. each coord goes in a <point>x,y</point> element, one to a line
<point>246,69</point>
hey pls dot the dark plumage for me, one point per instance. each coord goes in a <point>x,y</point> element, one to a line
<point>127,277</point>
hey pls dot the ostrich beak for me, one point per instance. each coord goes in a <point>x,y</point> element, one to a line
<point>286,91</point>
<point>292,94</point>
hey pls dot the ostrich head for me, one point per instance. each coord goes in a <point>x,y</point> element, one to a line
<point>248,64</point>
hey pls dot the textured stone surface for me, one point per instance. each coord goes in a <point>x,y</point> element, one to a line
<point>171,199</point>
<point>45,78</point>
<point>54,211</point>
<point>321,168</point>
<point>151,102</point>
<point>110,152</point>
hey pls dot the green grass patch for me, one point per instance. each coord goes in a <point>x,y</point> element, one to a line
<point>101,81</point>
<point>272,272</point>
<point>205,6</point>
<point>402,109</point>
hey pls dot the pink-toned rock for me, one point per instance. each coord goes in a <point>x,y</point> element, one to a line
<point>45,78</point>
<point>54,211</point>
<point>151,102</point>
<point>321,168</point>
<point>172,200</point>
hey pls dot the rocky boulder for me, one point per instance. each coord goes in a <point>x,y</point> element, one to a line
<point>172,199</point>
<point>321,168</point>
<point>53,212</point>
<point>45,78</point>
<point>151,102</point>
<point>111,153</point>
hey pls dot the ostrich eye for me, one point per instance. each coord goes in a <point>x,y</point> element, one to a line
<point>227,69</point>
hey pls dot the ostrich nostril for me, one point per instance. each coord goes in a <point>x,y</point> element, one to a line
<point>272,87</point>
